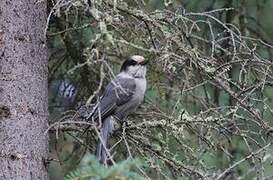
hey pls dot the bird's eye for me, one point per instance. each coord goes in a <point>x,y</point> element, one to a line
<point>132,63</point>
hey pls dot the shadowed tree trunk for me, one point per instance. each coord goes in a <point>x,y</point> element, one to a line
<point>23,90</point>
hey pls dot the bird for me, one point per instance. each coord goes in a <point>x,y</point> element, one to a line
<point>120,98</point>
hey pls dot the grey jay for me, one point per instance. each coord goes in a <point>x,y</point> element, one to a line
<point>121,97</point>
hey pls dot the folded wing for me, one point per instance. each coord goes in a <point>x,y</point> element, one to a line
<point>117,93</point>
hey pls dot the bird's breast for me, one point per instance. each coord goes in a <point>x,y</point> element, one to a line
<point>124,110</point>
<point>140,89</point>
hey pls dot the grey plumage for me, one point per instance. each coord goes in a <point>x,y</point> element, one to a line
<point>117,93</point>
<point>121,97</point>
<point>107,129</point>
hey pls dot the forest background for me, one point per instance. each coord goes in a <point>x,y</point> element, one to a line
<point>207,112</point>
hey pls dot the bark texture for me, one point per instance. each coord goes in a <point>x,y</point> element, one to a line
<point>23,90</point>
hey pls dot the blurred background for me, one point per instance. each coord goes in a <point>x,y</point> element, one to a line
<point>207,112</point>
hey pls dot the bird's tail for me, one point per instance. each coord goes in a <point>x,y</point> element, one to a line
<point>105,132</point>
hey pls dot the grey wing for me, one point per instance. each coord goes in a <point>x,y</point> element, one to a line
<point>117,93</point>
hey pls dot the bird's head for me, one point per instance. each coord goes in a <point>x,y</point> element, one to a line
<point>135,66</point>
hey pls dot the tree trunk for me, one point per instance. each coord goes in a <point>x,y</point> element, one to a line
<point>23,90</point>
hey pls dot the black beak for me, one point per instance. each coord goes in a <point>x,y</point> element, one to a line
<point>143,63</point>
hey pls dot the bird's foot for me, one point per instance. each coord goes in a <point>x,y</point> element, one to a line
<point>99,125</point>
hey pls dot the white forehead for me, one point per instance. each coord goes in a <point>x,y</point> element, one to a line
<point>138,58</point>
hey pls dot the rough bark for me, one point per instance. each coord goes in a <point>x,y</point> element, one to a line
<point>23,90</point>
